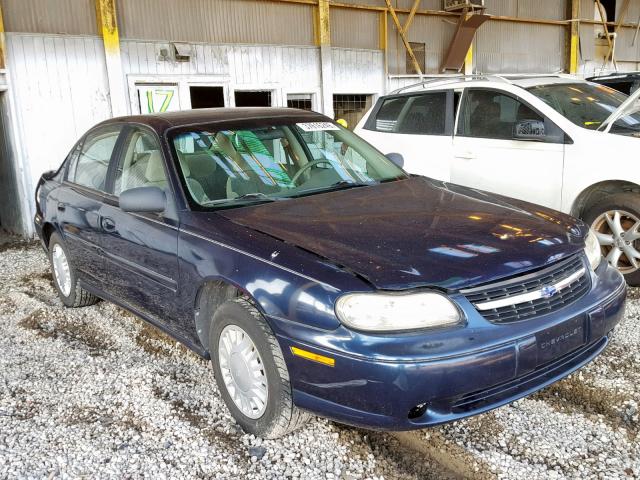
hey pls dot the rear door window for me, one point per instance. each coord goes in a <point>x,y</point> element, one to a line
<point>387,117</point>
<point>91,166</point>
<point>425,114</point>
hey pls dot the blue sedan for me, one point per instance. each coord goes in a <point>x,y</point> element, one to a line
<point>317,275</point>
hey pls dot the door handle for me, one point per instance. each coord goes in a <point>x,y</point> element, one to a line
<point>466,155</point>
<point>108,225</point>
<point>62,206</point>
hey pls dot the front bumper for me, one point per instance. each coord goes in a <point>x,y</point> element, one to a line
<point>400,384</point>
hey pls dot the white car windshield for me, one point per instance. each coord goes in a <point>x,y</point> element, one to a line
<point>589,105</point>
<point>233,167</point>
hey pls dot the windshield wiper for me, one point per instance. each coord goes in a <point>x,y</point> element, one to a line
<point>341,185</point>
<point>258,195</point>
<point>251,197</point>
<point>347,184</point>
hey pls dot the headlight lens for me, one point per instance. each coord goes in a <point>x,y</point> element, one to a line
<point>38,196</point>
<point>383,312</point>
<point>592,249</point>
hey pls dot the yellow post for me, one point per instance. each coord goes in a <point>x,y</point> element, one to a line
<point>323,40</point>
<point>2,49</point>
<point>468,61</point>
<point>383,44</point>
<point>108,28</point>
<point>574,37</point>
<point>323,23</point>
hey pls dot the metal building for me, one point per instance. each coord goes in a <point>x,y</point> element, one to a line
<point>68,64</point>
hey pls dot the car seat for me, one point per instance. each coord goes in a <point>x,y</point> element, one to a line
<point>204,169</point>
<point>156,177</point>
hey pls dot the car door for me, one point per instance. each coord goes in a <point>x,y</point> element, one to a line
<point>141,248</point>
<point>81,199</point>
<point>418,126</point>
<point>491,153</point>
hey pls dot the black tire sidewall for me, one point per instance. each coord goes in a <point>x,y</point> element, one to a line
<point>232,313</point>
<point>629,202</point>
<point>70,299</point>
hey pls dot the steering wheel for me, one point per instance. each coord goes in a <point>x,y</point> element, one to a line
<point>295,178</point>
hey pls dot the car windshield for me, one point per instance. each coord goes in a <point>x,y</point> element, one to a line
<point>235,167</point>
<point>589,105</point>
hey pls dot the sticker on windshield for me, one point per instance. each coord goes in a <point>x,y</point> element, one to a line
<point>317,126</point>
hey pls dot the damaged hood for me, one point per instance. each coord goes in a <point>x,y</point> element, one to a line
<point>629,106</point>
<point>419,232</point>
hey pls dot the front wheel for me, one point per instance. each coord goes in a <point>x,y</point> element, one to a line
<point>250,371</point>
<point>616,221</point>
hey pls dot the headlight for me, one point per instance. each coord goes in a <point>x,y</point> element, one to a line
<point>38,196</point>
<point>385,312</point>
<point>592,249</point>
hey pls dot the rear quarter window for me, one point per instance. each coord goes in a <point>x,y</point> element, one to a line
<point>89,168</point>
<point>423,114</point>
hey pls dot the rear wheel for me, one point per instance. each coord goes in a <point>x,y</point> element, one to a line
<point>616,221</point>
<point>250,371</point>
<point>64,276</point>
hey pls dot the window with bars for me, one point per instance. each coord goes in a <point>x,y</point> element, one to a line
<point>300,100</point>
<point>351,107</point>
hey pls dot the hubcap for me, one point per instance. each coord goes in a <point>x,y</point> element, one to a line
<point>61,270</point>
<point>618,232</point>
<point>243,372</point>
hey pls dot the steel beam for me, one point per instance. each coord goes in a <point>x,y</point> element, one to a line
<point>402,30</point>
<point>619,21</point>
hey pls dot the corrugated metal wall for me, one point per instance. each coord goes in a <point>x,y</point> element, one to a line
<point>513,47</point>
<point>541,9</point>
<point>60,89</point>
<point>355,28</point>
<point>625,49</point>
<point>506,47</point>
<point>587,32</point>
<point>434,31</point>
<point>217,21</point>
<point>404,4</point>
<point>357,71</point>
<point>239,65</point>
<point>11,217</point>
<point>284,69</point>
<point>73,17</point>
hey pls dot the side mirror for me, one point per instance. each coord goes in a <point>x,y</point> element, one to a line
<point>396,158</point>
<point>532,130</point>
<point>143,200</point>
<point>48,175</point>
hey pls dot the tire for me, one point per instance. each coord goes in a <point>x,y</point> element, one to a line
<point>629,205</point>
<point>279,416</point>
<point>72,295</point>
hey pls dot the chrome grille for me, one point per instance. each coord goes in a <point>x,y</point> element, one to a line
<point>532,295</point>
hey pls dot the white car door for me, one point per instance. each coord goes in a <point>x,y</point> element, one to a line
<point>419,127</point>
<point>503,145</point>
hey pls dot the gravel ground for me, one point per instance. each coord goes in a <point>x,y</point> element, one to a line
<point>95,392</point>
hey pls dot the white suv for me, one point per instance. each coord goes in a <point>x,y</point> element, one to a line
<point>558,141</point>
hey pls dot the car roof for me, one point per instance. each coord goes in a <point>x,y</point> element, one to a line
<point>167,120</point>
<point>522,81</point>
<point>527,82</point>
